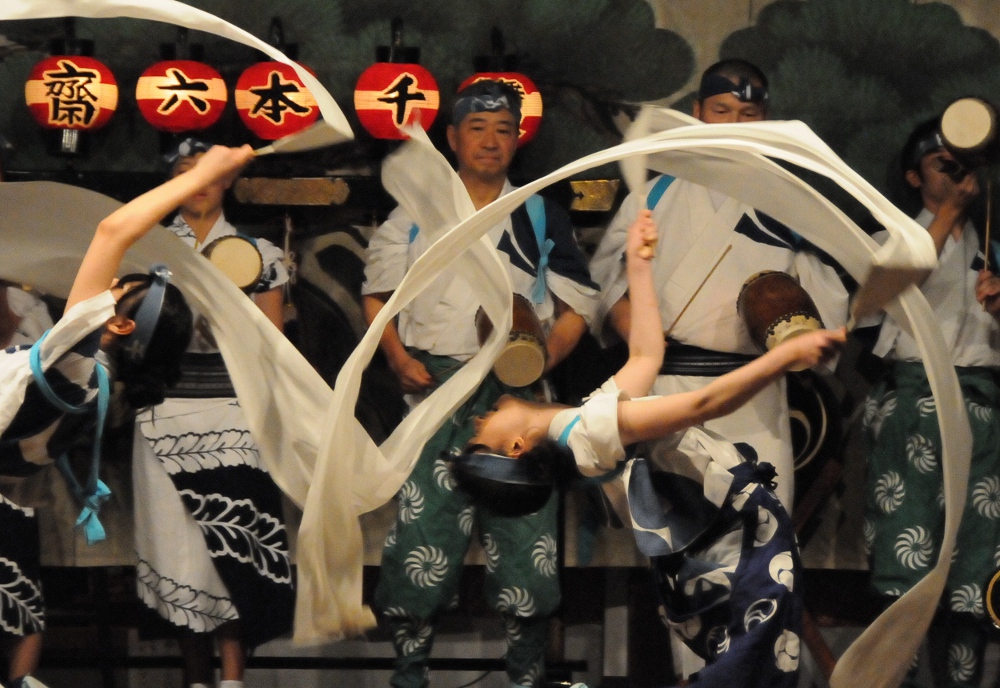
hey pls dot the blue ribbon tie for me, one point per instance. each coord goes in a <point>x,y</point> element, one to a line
<point>539,290</point>
<point>92,528</point>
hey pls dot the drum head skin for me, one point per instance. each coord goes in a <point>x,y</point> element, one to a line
<point>969,125</point>
<point>238,259</point>
<point>522,361</point>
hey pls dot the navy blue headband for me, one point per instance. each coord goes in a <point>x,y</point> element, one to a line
<point>494,100</point>
<point>148,315</point>
<point>745,90</point>
<point>185,149</point>
<point>502,469</point>
<point>927,144</point>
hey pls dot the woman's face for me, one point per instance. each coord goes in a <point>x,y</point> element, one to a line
<point>502,426</point>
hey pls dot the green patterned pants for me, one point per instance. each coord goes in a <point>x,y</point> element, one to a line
<point>424,551</point>
<point>904,514</point>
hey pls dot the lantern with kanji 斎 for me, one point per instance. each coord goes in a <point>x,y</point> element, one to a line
<point>531,99</point>
<point>273,102</point>
<point>71,92</point>
<point>181,95</point>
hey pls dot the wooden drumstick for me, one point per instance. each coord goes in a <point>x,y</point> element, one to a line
<point>989,218</point>
<point>696,292</point>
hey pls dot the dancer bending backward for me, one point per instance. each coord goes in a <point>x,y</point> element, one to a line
<point>210,534</point>
<point>721,546</point>
<point>698,223</point>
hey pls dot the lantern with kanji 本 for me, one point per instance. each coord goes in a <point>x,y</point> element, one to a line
<point>181,95</point>
<point>273,102</point>
<point>531,99</point>
<point>71,92</point>
<point>389,95</point>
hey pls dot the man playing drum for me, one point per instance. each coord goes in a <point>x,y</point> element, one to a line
<point>699,225</point>
<point>435,334</point>
<point>904,508</point>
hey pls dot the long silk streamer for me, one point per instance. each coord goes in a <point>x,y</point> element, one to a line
<point>323,458</point>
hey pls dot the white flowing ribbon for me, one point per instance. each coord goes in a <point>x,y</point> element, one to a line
<point>333,128</point>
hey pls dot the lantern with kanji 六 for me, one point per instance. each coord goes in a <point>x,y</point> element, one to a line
<point>71,92</point>
<point>396,90</point>
<point>502,67</point>
<point>273,102</point>
<point>181,95</point>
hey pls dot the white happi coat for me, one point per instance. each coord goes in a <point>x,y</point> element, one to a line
<point>695,226</point>
<point>972,334</point>
<point>441,319</point>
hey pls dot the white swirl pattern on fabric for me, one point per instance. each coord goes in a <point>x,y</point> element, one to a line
<point>544,555</point>
<point>426,566</point>
<point>442,475</point>
<point>516,601</point>
<point>492,551</point>
<point>512,628</point>
<point>532,678</point>
<point>979,411</point>
<point>411,502</point>
<point>926,406</point>
<point>466,518</point>
<point>968,598</point>
<point>889,492</point>
<point>868,534</point>
<point>913,548</point>
<point>884,411</point>
<point>961,663</point>
<point>870,409</point>
<point>986,497</point>
<point>920,452</point>
<point>416,636</point>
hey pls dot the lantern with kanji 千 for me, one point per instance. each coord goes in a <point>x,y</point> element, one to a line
<point>181,95</point>
<point>531,99</point>
<point>71,92</point>
<point>396,91</point>
<point>273,102</point>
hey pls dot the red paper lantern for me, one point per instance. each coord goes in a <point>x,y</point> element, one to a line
<point>390,94</point>
<point>181,95</point>
<point>531,99</point>
<point>71,92</point>
<point>273,102</point>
